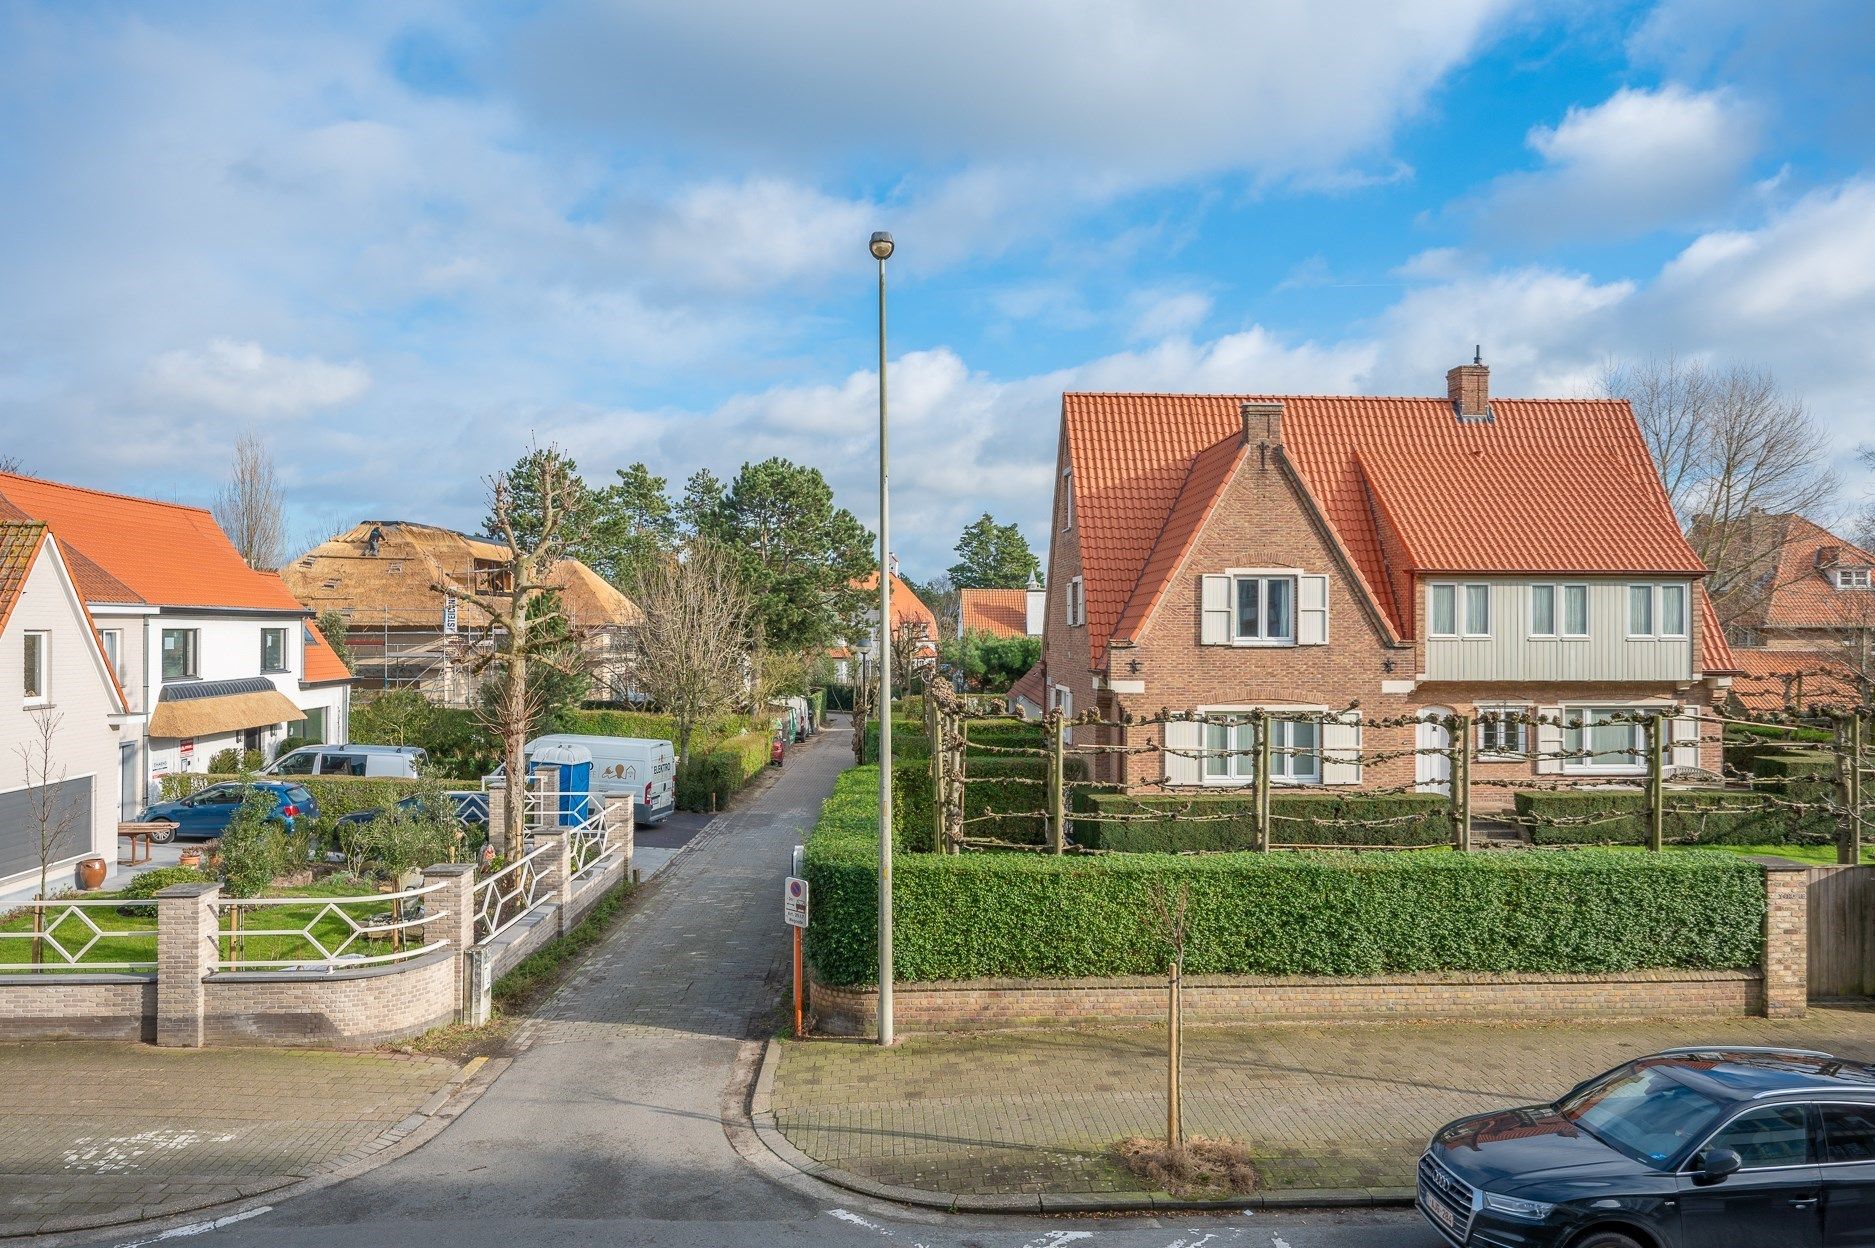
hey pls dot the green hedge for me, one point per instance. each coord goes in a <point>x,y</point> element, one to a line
<point>715,775</point>
<point>1431,823</point>
<point>1314,913</point>
<point>1007,784</point>
<point>908,740</point>
<point>1780,732</point>
<point>1688,817</point>
<point>657,727</point>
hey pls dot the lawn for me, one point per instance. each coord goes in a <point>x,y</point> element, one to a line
<point>132,937</point>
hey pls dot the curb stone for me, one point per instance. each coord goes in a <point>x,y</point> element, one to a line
<point>762,1117</point>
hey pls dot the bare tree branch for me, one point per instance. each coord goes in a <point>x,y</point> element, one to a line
<point>251,508</point>
<point>696,637</point>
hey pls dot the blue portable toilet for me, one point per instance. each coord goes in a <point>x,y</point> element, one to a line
<point>571,766</point>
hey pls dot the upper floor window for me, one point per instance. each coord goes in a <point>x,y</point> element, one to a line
<point>1265,609</point>
<point>1657,610</point>
<point>38,674</point>
<point>113,642</point>
<point>1067,499</point>
<point>181,648</point>
<point>1855,578</point>
<point>273,649</point>
<point>1559,610</point>
<point>1456,605</point>
<point>1077,603</point>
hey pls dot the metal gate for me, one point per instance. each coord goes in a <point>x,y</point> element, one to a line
<point>1842,912</point>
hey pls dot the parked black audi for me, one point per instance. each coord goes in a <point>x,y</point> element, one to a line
<point>1692,1148</point>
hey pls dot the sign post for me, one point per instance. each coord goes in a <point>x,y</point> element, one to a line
<point>794,913</point>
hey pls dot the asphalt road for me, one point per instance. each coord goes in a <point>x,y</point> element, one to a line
<point>609,1126</point>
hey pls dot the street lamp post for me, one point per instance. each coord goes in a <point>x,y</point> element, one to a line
<point>881,248</point>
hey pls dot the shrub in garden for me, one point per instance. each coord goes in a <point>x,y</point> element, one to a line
<point>1020,915</point>
<point>1700,816</point>
<point>233,760</point>
<point>151,883</point>
<point>1225,822</point>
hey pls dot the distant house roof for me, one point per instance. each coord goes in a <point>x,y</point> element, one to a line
<point>1031,686</point>
<point>1002,612</point>
<point>125,549</point>
<point>323,665</point>
<point>389,582</point>
<point>1569,482</point>
<point>1803,590</point>
<point>1771,681</point>
<point>907,608</point>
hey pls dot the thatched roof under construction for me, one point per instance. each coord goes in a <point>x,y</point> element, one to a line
<point>393,586</point>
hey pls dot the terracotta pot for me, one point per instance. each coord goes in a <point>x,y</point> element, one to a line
<point>91,873</point>
<point>190,858</point>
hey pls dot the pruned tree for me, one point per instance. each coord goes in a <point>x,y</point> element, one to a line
<point>1169,913</point>
<point>696,637</point>
<point>913,650</point>
<point>54,815</point>
<point>251,508</point>
<point>519,632</point>
<point>1733,451</point>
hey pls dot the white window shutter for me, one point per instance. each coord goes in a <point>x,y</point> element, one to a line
<point>1311,610</point>
<point>1549,740</point>
<point>1685,754</point>
<point>1214,610</point>
<point>1183,739</point>
<point>1341,751</point>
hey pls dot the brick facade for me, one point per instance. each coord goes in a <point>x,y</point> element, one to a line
<point>1263,519</point>
<point>78,1007</point>
<point>1786,942</point>
<point>331,1010</point>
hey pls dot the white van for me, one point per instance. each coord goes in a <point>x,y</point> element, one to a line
<point>349,760</point>
<point>645,768</point>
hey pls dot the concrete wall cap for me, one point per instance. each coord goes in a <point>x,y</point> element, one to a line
<point>184,892</point>
<point>449,870</point>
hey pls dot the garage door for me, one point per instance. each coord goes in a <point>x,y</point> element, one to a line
<point>69,804</point>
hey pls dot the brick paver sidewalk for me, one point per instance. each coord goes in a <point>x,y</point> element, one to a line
<point>94,1134</point>
<point>1319,1106</point>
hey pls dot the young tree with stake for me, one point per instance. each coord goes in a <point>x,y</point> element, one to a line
<point>53,818</point>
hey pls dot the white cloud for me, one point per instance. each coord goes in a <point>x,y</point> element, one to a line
<point>1136,90</point>
<point>244,379</point>
<point>1162,313</point>
<point>1638,161</point>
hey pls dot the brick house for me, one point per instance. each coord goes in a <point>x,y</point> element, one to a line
<point>1002,612</point>
<point>1808,633</point>
<point>1413,558</point>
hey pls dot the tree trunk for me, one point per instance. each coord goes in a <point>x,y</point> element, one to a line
<point>514,737</point>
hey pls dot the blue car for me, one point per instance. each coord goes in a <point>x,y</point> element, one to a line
<point>205,815</point>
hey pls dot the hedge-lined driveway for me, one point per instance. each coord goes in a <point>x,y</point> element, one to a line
<point>1320,1106</point>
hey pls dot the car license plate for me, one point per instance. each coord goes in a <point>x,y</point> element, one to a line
<point>1437,1211</point>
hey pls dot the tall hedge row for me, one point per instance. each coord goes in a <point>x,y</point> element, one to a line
<point>717,773</point>
<point>1701,816</point>
<point>1228,822</point>
<point>336,795</point>
<point>1313,913</point>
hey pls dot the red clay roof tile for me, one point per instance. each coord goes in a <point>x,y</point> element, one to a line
<point>1000,612</point>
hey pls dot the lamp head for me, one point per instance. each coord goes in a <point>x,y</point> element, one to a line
<point>881,245</point>
<point>864,645</point>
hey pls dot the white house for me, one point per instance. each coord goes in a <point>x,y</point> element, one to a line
<point>61,715</point>
<point>211,654</point>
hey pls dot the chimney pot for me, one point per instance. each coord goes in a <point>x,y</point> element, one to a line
<point>1469,388</point>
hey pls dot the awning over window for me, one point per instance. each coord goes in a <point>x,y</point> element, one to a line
<point>215,716</point>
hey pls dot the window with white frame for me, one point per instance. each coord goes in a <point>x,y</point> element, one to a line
<point>38,674</point>
<point>1855,578</point>
<point>1230,750</point>
<point>113,642</point>
<point>1603,739</point>
<point>1077,602</point>
<point>1265,610</point>
<point>1575,610</point>
<point>1503,731</point>
<point>273,649</point>
<point>1657,610</point>
<point>1067,499</point>
<point>1064,700</point>
<point>1542,610</point>
<point>1456,607</point>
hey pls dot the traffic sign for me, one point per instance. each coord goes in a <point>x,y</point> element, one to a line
<point>794,902</point>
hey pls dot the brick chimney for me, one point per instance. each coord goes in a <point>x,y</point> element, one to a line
<point>1262,422</point>
<point>1469,388</point>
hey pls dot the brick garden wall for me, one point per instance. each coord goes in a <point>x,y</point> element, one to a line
<point>978,1005</point>
<point>77,1007</point>
<point>340,1010</point>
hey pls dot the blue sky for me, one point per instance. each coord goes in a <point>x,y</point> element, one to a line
<point>402,239</point>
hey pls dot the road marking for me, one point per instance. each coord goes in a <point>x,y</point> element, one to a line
<point>1054,1239</point>
<point>1277,1241</point>
<point>199,1228</point>
<point>847,1215</point>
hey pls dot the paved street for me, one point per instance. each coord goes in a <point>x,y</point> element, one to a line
<point>94,1133</point>
<point>608,1128</point>
<point>1027,1111</point>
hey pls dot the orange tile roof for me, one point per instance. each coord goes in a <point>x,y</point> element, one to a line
<point>1565,486</point>
<point>1032,685</point>
<point>1770,679</point>
<point>1803,592</point>
<point>166,553</point>
<point>1000,612</point>
<point>94,583</point>
<point>19,549</point>
<point>1716,656</point>
<point>323,665</point>
<point>907,607</point>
